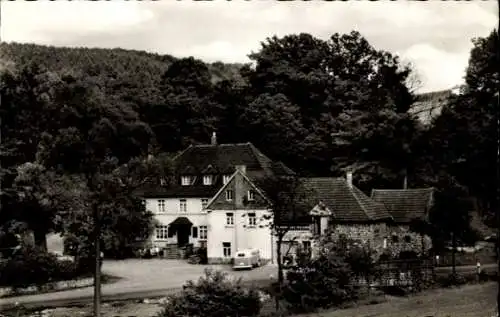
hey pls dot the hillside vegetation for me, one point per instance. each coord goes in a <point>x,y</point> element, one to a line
<point>319,106</point>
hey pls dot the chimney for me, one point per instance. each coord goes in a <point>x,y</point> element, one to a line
<point>214,139</point>
<point>349,179</point>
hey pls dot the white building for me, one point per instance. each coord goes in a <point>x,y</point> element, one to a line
<point>214,202</point>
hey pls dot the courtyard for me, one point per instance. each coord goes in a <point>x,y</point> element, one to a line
<point>140,276</point>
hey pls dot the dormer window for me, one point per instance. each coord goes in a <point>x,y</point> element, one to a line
<point>225,179</point>
<point>186,180</point>
<point>207,180</point>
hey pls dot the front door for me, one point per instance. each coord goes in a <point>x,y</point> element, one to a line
<point>183,233</point>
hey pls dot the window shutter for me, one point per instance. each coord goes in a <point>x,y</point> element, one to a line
<point>195,232</point>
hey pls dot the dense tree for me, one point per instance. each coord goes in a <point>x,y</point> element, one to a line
<point>342,85</point>
<point>289,202</point>
<point>465,135</point>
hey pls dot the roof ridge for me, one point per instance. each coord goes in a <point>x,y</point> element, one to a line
<point>256,152</point>
<point>182,152</point>
<point>401,189</point>
<point>352,191</point>
<point>221,144</point>
<point>254,186</point>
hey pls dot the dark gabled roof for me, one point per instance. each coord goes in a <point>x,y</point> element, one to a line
<point>279,168</point>
<point>347,203</point>
<point>188,170</point>
<point>219,159</point>
<point>224,158</point>
<point>209,170</point>
<point>405,205</point>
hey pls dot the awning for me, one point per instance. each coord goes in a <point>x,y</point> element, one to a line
<point>181,221</point>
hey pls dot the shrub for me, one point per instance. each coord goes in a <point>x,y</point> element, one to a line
<point>452,280</point>
<point>32,266</point>
<point>323,282</point>
<point>213,295</point>
<point>203,255</point>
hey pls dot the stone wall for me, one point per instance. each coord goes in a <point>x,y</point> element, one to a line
<point>401,238</point>
<point>383,238</point>
<point>370,234</point>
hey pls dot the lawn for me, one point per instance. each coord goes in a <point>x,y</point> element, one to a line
<point>468,301</point>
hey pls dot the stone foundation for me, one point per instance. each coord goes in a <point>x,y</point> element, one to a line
<point>220,260</point>
<point>397,238</point>
<point>50,287</point>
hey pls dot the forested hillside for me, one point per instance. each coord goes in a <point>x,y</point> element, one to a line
<point>320,106</point>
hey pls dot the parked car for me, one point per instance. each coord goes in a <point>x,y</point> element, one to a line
<point>246,259</point>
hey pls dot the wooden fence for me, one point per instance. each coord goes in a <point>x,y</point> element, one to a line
<point>404,272</point>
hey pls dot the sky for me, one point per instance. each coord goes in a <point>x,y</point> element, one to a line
<point>434,36</point>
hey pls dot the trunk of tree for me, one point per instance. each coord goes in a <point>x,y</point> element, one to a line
<point>97,271</point>
<point>96,237</point>
<point>40,239</point>
<point>280,271</point>
<point>453,253</point>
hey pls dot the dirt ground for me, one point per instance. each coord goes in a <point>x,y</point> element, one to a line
<point>466,301</point>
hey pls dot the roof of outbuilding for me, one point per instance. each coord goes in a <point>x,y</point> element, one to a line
<point>347,203</point>
<point>405,205</point>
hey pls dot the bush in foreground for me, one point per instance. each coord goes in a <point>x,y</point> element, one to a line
<point>323,282</point>
<point>33,266</point>
<point>214,295</point>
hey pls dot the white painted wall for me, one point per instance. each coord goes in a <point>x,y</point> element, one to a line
<point>193,212</point>
<point>239,236</point>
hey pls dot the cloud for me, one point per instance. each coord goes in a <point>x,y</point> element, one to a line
<point>435,35</point>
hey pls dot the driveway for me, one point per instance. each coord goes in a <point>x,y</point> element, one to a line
<point>152,278</point>
<point>138,278</point>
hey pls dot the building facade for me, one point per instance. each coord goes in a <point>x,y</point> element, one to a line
<point>213,202</point>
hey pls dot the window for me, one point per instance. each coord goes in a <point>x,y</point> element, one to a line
<point>252,219</point>
<point>161,205</point>
<point>407,239</point>
<point>225,179</point>
<point>229,195</point>
<point>342,243</point>
<point>185,180</point>
<point>230,218</point>
<point>385,243</point>
<point>226,249</point>
<point>161,232</point>
<point>203,232</point>
<point>395,239</point>
<point>183,205</point>
<point>306,246</point>
<point>207,180</point>
<point>316,225</point>
<point>195,232</point>
<point>204,203</point>
<point>163,181</point>
<point>250,195</point>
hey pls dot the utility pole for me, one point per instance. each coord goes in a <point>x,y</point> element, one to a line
<point>497,198</point>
